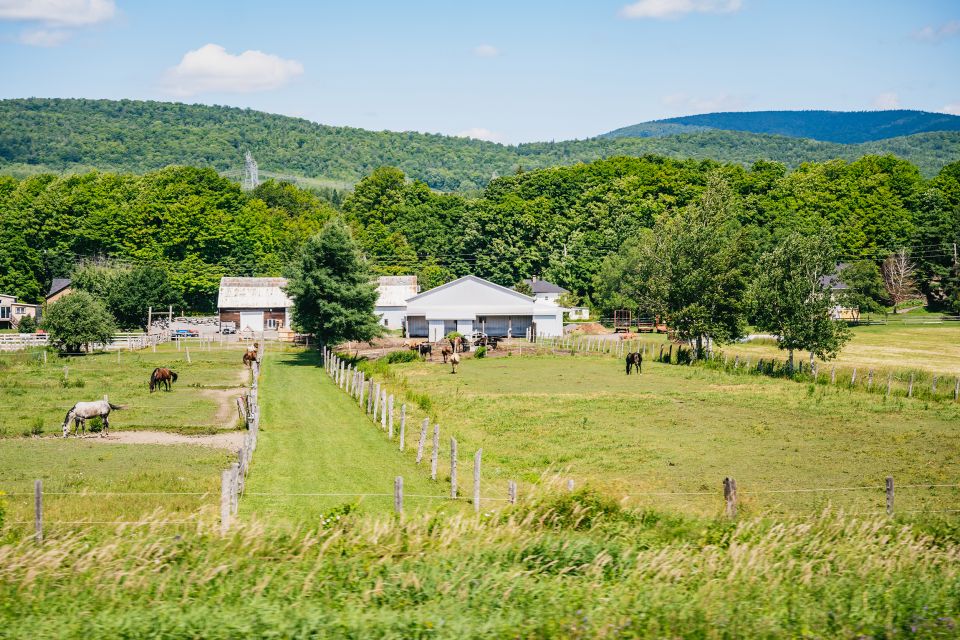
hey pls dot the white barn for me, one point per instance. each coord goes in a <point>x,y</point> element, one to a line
<point>473,304</point>
<point>254,304</point>
<point>392,295</point>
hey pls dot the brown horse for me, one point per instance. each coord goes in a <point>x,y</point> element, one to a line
<point>160,377</point>
<point>446,352</point>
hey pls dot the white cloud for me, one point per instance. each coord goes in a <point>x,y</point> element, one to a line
<point>44,37</point>
<point>486,51</point>
<point>690,105</point>
<point>72,13</point>
<point>660,9</point>
<point>887,100</point>
<point>211,69</point>
<point>953,107</point>
<point>936,34</point>
<point>479,133</point>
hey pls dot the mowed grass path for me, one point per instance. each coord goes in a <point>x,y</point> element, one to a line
<point>683,429</point>
<point>315,439</point>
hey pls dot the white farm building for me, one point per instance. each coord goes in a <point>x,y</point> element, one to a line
<point>473,304</point>
<point>254,304</point>
<point>392,295</point>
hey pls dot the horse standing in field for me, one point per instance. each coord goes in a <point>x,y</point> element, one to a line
<point>83,411</point>
<point>425,349</point>
<point>250,355</point>
<point>446,352</point>
<point>454,361</point>
<point>160,377</point>
<point>635,360</point>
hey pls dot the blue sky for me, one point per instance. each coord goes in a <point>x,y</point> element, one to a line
<point>507,71</point>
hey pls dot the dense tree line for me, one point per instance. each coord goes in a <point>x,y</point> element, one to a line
<point>137,136</point>
<point>581,226</point>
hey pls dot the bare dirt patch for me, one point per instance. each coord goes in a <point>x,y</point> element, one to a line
<point>232,440</point>
<point>226,404</point>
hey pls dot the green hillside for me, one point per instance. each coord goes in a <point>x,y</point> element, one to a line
<point>70,135</point>
<point>845,127</point>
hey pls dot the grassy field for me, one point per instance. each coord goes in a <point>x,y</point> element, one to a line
<point>683,429</point>
<point>35,396</point>
<point>315,439</point>
<point>573,567</point>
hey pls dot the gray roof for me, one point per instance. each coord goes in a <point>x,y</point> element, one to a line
<point>834,281</point>
<point>59,284</point>
<point>394,291</point>
<point>542,286</point>
<point>253,293</point>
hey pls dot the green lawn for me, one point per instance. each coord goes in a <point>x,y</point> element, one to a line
<point>315,439</point>
<point>35,396</point>
<point>683,429</point>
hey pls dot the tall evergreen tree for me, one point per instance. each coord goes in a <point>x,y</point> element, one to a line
<point>332,288</point>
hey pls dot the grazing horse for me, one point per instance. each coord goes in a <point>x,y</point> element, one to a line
<point>635,360</point>
<point>83,411</point>
<point>454,361</point>
<point>160,377</point>
<point>446,352</point>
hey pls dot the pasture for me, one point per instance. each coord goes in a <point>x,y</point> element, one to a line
<point>681,430</point>
<point>35,395</point>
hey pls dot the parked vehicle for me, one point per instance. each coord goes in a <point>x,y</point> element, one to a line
<point>185,333</point>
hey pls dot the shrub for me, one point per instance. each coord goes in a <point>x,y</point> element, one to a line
<point>77,320</point>
<point>395,357</point>
<point>481,352</point>
<point>28,324</point>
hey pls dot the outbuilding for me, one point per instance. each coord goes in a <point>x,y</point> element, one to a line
<point>471,304</point>
<point>254,304</point>
<point>392,295</point>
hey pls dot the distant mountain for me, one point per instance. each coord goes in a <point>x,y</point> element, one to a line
<point>845,127</point>
<point>68,135</point>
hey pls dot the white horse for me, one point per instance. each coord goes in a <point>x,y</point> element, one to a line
<point>83,411</point>
<point>454,361</point>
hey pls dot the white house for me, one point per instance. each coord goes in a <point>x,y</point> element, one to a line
<point>256,304</point>
<point>392,295</point>
<point>473,304</point>
<point>12,311</point>
<point>544,291</point>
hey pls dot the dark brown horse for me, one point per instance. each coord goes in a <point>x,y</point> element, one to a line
<point>635,360</point>
<point>160,377</point>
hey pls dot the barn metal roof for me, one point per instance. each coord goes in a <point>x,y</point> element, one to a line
<point>394,291</point>
<point>253,293</point>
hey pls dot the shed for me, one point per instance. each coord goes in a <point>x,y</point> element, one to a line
<point>255,304</point>
<point>392,295</point>
<point>473,304</point>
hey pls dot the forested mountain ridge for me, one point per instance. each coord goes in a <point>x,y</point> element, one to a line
<point>845,127</point>
<point>71,135</point>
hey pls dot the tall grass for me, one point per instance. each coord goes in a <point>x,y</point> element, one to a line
<point>576,566</point>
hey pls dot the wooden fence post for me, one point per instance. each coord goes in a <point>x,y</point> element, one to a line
<point>38,511</point>
<point>870,380</point>
<point>512,492</point>
<point>889,495</point>
<point>234,486</point>
<point>390,418</point>
<point>66,373</point>
<point>453,468</point>
<point>853,378</point>
<point>435,455</point>
<point>376,402</point>
<point>383,408</point>
<point>889,383</point>
<point>933,387</point>
<point>570,485</point>
<point>423,438</point>
<point>476,480</point>
<point>398,494</point>
<point>225,500</point>
<point>730,496</point>
<point>403,424</point>
<point>956,389</point>
<point>910,387</point>
<point>833,375</point>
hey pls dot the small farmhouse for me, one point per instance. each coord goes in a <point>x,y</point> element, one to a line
<point>544,291</point>
<point>473,304</point>
<point>837,287</point>
<point>392,295</point>
<point>11,311</point>
<point>254,304</point>
<point>59,288</point>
